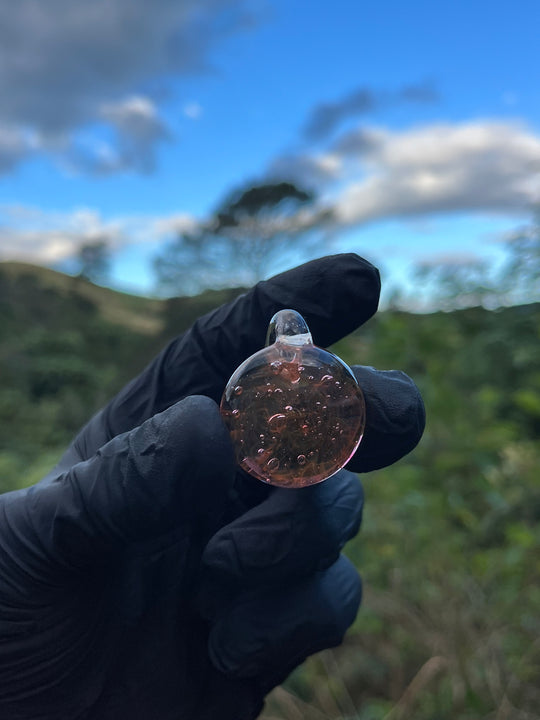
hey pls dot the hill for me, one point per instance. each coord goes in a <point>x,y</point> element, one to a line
<point>36,283</point>
<point>66,346</point>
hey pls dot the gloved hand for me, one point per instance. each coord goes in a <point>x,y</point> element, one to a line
<point>145,577</point>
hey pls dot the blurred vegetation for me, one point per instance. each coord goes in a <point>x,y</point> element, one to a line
<point>66,346</point>
<point>450,546</point>
<point>252,232</point>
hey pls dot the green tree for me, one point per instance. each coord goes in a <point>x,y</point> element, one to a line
<point>453,285</point>
<point>93,259</point>
<point>456,284</point>
<point>520,277</point>
<point>252,232</point>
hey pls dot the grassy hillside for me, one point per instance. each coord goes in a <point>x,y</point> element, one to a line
<point>23,286</point>
<point>66,346</point>
<point>450,546</point>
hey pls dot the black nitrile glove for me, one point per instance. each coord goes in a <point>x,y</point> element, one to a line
<point>145,577</point>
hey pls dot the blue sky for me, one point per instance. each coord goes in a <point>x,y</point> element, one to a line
<point>417,122</point>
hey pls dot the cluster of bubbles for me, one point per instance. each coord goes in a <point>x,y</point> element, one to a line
<point>294,411</point>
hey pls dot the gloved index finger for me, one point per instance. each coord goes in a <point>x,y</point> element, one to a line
<point>335,294</point>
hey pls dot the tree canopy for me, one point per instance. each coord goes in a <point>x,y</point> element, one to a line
<point>93,259</point>
<point>254,231</point>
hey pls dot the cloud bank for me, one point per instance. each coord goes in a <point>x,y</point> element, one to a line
<point>137,129</point>
<point>375,173</point>
<point>65,65</point>
<point>33,235</point>
<point>326,117</point>
<point>367,175</point>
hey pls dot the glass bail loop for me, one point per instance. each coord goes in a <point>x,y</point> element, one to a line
<point>288,326</point>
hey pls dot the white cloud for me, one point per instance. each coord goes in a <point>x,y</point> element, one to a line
<point>481,166</point>
<point>375,173</point>
<point>137,131</point>
<point>69,63</point>
<point>30,234</point>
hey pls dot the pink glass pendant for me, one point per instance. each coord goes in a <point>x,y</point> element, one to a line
<point>295,412</point>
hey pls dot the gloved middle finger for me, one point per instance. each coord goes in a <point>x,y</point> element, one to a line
<point>291,534</point>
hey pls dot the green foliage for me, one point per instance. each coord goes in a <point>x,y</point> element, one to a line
<point>61,359</point>
<point>255,230</point>
<point>94,260</point>
<point>450,546</point>
<point>465,283</point>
